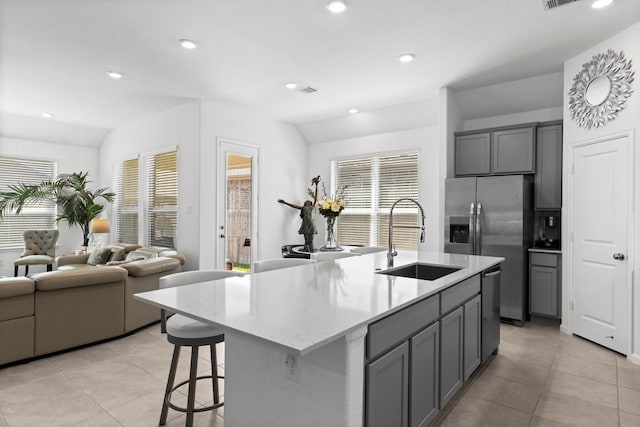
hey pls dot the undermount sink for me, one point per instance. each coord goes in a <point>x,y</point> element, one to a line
<point>421,271</point>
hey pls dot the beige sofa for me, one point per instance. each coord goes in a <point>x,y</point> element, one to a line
<point>76,305</point>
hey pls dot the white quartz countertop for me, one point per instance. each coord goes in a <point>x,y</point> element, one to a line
<point>304,308</point>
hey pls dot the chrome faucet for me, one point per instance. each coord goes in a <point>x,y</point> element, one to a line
<point>392,252</point>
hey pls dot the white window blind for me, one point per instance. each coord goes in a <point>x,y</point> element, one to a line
<point>40,215</point>
<point>126,205</point>
<point>374,184</point>
<point>161,221</point>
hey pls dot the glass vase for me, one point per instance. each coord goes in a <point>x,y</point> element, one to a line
<point>332,242</point>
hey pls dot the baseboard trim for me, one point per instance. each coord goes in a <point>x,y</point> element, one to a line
<point>634,358</point>
<point>565,329</point>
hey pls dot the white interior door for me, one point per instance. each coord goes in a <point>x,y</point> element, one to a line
<point>237,228</point>
<point>600,221</point>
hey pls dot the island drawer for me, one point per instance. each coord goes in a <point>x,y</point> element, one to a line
<point>547,260</point>
<point>459,293</point>
<point>397,327</point>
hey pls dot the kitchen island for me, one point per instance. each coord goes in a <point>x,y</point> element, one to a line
<point>296,342</point>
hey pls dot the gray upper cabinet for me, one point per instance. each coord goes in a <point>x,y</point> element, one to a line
<point>513,151</point>
<point>473,154</point>
<point>548,193</point>
<point>388,389</point>
<point>499,151</point>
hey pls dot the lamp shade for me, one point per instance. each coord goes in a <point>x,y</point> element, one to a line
<point>99,225</point>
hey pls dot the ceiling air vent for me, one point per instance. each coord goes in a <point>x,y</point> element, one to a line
<point>552,4</point>
<point>307,89</point>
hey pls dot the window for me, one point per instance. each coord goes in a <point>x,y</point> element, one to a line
<point>373,185</point>
<point>147,211</point>
<point>162,199</point>
<point>126,203</point>
<point>37,215</point>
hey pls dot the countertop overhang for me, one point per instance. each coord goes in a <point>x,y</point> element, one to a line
<point>306,307</point>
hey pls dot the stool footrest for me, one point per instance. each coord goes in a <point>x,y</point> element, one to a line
<point>180,409</point>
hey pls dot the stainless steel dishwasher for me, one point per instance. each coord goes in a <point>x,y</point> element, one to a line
<point>490,312</point>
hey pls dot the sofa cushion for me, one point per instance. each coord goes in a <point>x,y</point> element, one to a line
<point>16,286</point>
<point>61,279</point>
<point>137,255</point>
<point>151,266</point>
<point>99,256</point>
<point>117,254</point>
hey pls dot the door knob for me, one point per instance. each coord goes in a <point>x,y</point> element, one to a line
<point>222,236</point>
<point>619,256</point>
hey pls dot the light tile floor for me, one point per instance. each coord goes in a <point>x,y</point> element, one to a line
<point>540,378</point>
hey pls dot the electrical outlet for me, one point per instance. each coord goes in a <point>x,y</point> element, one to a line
<point>292,368</point>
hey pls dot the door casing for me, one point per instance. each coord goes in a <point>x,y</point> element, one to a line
<point>226,145</point>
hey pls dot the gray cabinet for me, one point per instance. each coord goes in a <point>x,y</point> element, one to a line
<point>451,342</point>
<point>500,151</point>
<point>513,151</point>
<point>425,365</point>
<point>490,335</point>
<point>418,359</point>
<point>387,389</point>
<point>548,192</point>
<point>473,154</point>
<point>472,331</point>
<point>544,284</point>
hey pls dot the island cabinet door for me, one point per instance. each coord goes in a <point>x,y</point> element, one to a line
<point>472,331</point>
<point>451,375</point>
<point>387,399</point>
<point>424,376</point>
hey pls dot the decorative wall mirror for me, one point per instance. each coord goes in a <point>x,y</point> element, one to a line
<point>600,90</point>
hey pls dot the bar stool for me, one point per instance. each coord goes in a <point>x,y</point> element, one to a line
<point>183,331</point>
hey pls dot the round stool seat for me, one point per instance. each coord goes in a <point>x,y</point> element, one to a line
<point>183,327</point>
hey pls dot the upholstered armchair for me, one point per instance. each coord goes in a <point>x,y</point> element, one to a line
<point>39,249</point>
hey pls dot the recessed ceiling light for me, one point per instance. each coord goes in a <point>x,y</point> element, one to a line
<point>188,44</point>
<point>115,75</point>
<point>47,115</point>
<point>406,57</point>
<point>291,85</point>
<point>353,110</point>
<point>599,4</point>
<point>337,6</point>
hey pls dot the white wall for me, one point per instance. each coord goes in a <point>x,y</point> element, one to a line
<point>542,115</point>
<point>282,168</point>
<point>424,140</point>
<point>178,126</point>
<point>70,158</point>
<point>628,121</point>
<point>395,118</point>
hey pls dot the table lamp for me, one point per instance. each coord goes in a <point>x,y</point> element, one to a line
<point>99,226</point>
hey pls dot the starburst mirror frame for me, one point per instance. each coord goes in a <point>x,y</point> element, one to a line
<point>600,90</point>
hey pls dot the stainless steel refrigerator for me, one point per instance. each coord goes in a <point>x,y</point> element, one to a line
<point>493,216</point>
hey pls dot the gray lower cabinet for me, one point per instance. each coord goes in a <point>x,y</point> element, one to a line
<point>513,151</point>
<point>388,389</point>
<point>548,189</point>
<point>451,345</point>
<point>472,335</point>
<point>425,364</point>
<point>473,154</point>
<point>544,284</point>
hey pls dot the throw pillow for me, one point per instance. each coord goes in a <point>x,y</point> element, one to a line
<point>116,255</point>
<point>134,256</point>
<point>99,256</point>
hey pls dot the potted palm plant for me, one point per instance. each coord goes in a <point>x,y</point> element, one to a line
<point>76,204</point>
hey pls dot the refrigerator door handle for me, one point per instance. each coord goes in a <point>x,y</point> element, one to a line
<point>478,229</point>
<point>472,234</point>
